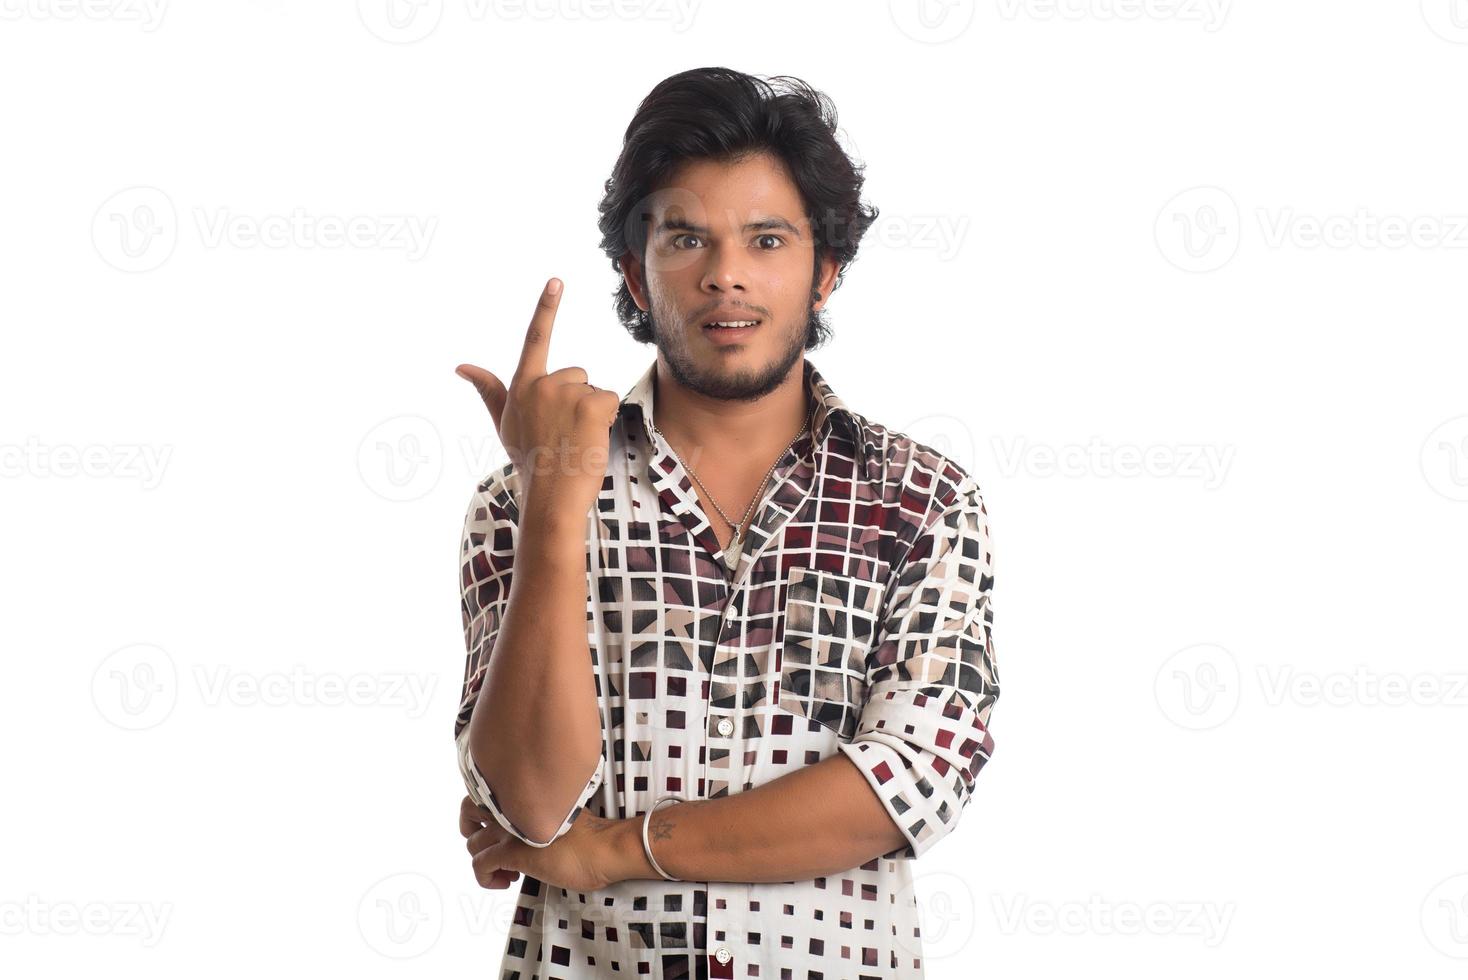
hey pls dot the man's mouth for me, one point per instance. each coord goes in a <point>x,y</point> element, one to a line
<point>731,325</point>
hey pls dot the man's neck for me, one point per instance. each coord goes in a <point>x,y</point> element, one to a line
<point>730,433</point>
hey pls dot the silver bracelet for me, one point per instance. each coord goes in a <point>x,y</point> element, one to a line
<point>646,848</point>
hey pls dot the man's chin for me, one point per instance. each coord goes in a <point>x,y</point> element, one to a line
<point>717,377</point>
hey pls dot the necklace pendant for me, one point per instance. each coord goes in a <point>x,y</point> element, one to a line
<point>731,553</point>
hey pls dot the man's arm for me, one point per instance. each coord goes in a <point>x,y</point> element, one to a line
<point>819,820</point>
<point>531,746</point>
<point>909,770</point>
<point>933,677</point>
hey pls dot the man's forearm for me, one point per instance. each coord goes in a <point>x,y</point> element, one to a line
<point>815,821</point>
<point>535,731</point>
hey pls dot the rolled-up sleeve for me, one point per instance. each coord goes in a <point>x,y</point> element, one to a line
<point>486,560</point>
<point>932,677</point>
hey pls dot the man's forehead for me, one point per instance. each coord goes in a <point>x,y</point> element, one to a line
<point>711,185</point>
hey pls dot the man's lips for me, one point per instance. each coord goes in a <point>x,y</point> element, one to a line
<point>730,335</point>
<point>730,316</point>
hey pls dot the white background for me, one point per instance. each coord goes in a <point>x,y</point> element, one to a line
<point>1225,239</point>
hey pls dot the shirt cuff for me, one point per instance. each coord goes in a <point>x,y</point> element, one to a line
<point>921,759</point>
<point>481,794</point>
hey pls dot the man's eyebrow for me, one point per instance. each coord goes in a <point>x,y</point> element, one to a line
<point>763,224</point>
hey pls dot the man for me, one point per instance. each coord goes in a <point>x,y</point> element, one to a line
<point>725,590</point>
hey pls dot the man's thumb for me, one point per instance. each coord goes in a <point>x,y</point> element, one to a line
<point>489,387</point>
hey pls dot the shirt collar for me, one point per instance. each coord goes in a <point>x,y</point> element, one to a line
<point>829,408</point>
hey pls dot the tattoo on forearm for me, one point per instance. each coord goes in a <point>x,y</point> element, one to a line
<point>660,826</point>
<point>593,822</point>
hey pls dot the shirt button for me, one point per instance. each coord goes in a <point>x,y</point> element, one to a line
<point>726,727</point>
<point>723,955</point>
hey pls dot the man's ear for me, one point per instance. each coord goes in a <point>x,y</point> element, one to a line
<point>826,280</point>
<point>632,273</point>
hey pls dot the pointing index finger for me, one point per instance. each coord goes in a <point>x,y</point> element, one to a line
<point>537,338</point>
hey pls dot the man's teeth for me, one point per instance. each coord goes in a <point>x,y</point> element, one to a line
<point>733,323</point>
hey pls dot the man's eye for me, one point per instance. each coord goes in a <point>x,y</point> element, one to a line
<point>776,239</point>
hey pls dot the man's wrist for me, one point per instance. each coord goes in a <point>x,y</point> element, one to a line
<point>552,524</point>
<point>625,858</point>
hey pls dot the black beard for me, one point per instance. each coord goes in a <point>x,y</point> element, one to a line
<point>742,385</point>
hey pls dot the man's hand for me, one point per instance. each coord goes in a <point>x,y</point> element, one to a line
<point>472,822</point>
<point>555,426</point>
<point>583,859</point>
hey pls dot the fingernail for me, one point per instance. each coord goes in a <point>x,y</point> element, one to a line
<point>553,287</point>
<point>460,373</point>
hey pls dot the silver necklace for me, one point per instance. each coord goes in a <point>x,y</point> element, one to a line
<point>731,553</point>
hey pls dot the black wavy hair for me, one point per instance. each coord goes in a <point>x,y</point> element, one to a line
<point>726,115</point>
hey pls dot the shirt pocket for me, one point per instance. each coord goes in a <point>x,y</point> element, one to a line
<point>830,623</point>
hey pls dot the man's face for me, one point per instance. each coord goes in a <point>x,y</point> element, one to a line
<point>728,242</point>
